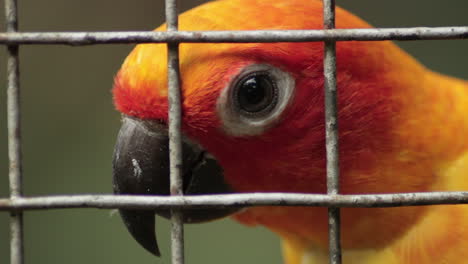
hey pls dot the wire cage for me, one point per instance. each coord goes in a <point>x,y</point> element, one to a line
<point>16,204</point>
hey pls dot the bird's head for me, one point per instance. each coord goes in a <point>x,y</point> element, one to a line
<point>253,114</point>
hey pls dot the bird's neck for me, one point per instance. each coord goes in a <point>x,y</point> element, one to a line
<point>426,243</point>
<point>434,123</point>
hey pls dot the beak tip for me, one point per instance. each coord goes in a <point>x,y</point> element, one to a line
<point>141,226</point>
<point>150,244</point>
<point>154,249</point>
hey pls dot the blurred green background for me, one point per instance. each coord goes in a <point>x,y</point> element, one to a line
<point>69,127</point>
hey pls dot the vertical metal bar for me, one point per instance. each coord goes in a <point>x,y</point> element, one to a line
<point>14,135</point>
<point>331,131</point>
<point>175,145</point>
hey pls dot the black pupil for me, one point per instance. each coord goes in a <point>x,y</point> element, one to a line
<point>256,93</point>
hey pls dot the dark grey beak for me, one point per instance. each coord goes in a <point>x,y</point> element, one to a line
<point>141,167</point>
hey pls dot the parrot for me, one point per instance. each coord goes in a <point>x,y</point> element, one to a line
<point>253,122</point>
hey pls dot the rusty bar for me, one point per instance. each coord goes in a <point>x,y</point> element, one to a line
<point>175,136</point>
<point>107,201</point>
<point>331,133</point>
<point>14,135</point>
<point>368,34</point>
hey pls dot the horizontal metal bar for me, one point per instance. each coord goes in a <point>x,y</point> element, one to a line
<point>232,200</point>
<point>90,38</point>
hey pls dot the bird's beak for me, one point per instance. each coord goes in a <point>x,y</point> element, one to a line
<point>141,167</point>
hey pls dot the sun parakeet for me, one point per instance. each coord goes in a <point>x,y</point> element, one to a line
<point>253,121</point>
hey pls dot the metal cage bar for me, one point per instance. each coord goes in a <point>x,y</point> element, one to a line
<point>14,135</point>
<point>251,36</point>
<point>232,200</point>
<point>331,133</point>
<point>175,137</point>
<point>16,203</point>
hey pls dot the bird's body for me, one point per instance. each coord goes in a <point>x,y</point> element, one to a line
<point>402,128</point>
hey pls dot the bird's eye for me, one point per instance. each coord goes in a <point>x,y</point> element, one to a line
<point>256,93</point>
<point>254,99</point>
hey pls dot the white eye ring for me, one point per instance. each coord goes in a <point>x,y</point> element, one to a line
<point>236,120</point>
